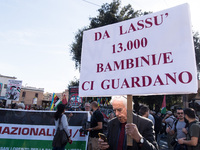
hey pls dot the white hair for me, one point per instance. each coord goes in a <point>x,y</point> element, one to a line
<point>122,98</point>
<point>87,104</point>
<point>21,105</point>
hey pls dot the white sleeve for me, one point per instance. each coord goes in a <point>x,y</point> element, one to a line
<point>65,124</point>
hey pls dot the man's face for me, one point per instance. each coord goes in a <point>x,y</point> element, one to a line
<point>120,111</point>
<point>146,114</point>
<point>87,107</point>
<point>180,114</point>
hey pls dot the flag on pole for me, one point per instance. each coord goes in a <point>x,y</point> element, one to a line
<point>163,110</point>
<point>64,99</point>
<point>55,102</point>
<point>98,101</point>
<point>52,102</point>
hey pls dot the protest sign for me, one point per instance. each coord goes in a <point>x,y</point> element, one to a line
<point>74,100</point>
<point>34,130</point>
<point>13,90</point>
<point>149,55</point>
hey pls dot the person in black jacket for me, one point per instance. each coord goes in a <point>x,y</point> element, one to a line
<point>141,130</point>
<point>96,126</point>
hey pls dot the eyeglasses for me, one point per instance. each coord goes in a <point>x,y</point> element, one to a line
<point>180,113</point>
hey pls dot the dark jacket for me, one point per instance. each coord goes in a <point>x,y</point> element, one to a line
<point>145,127</point>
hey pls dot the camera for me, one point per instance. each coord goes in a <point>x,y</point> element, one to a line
<point>85,127</point>
<point>83,131</point>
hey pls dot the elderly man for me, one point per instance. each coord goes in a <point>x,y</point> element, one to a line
<point>141,130</point>
<point>87,106</point>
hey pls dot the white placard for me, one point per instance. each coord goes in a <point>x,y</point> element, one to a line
<point>13,90</point>
<point>149,55</point>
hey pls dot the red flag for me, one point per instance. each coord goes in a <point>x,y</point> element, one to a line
<point>64,99</point>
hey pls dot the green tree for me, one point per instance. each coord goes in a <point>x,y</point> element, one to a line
<point>74,82</point>
<point>108,14</point>
<point>197,48</point>
<point>111,13</point>
<point>155,101</point>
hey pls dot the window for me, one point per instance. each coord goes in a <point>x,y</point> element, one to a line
<point>5,86</point>
<point>23,94</point>
<point>36,95</point>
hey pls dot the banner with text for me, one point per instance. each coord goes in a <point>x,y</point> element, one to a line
<point>34,130</point>
<point>148,55</point>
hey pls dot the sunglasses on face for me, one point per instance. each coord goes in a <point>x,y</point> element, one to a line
<point>180,113</point>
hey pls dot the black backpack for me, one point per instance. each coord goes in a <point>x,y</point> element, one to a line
<point>158,124</point>
<point>174,121</point>
<point>186,124</point>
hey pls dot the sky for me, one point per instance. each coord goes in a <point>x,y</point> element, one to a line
<point>35,36</point>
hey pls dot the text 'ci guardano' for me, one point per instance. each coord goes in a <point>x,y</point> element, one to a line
<point>149,60</point>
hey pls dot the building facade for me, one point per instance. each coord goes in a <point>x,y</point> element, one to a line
<point>31,95</point>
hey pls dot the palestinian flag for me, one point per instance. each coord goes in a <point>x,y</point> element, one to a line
<point>55,102</point>
<point>163,110</point>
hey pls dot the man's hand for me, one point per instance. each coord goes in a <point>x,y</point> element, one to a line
<point>70,141</point>
<point>89,129</point>
<point>181,141</point>
<point>168,129</point>
<point>132,131</point>
<point>102,145</point>
<point>184,130</point>
<point>166,116</point>
<point>70,115</point>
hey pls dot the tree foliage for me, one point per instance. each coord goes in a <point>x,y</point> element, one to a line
<point>155,101</point>
<point>108,14</point>
<point>197,48</point>
<point>74,82</point>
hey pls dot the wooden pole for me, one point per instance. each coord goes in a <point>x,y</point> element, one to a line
<point>129,117</point>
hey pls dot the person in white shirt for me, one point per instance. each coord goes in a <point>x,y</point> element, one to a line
<point>61,121</point>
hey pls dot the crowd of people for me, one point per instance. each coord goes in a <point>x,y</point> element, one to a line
<point>20,105</point>
<point>181,127</point>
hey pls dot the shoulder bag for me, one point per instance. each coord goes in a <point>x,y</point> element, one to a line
<point>60,138</point>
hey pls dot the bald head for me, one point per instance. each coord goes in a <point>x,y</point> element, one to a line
<point>94,104</point>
